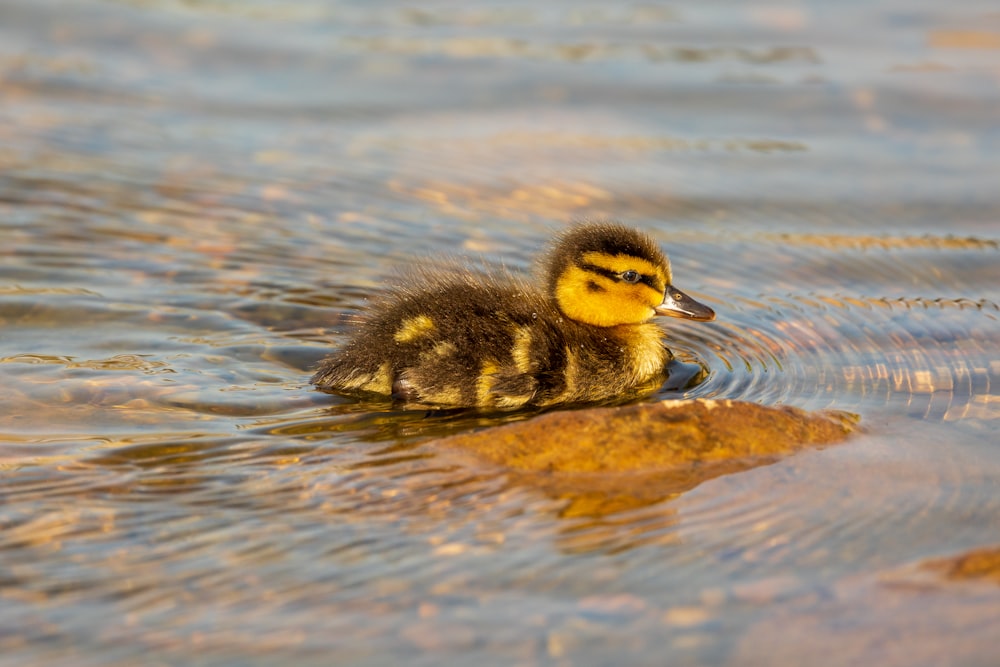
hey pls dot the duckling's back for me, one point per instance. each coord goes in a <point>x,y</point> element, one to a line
<point>442,343</point>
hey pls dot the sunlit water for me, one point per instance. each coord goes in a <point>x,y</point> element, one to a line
<point>196,199</point>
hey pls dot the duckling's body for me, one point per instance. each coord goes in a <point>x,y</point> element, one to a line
<point>452,339</point>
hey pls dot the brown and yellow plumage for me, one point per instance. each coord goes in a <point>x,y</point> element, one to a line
<point>489,340</point>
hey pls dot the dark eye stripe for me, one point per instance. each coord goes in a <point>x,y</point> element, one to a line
<point>649,280</point>
<point>600,271</point>
<point>607,273</point>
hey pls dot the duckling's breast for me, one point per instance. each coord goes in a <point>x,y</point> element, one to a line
<point>647,355</point>
<point>602,363</point>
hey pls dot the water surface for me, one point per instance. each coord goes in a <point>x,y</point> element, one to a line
<point>197,198</point>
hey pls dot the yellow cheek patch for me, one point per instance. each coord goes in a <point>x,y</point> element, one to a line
<point>413,328</point>
<point>615,303</point>
<point>622,263</point>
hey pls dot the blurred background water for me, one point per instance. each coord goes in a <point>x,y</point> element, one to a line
<point>197,197</point>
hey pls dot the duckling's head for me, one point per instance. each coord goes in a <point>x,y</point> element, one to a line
<point>606,274</point>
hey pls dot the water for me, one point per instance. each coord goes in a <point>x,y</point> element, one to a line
<point>196,198</point>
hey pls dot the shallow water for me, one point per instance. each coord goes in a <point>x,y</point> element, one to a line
<point>196,198</point>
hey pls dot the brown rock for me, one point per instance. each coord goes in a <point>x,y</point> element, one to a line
<point>605,460</point>
<point>654,436</point>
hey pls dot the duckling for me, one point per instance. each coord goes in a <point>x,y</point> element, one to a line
<point>495,341</point>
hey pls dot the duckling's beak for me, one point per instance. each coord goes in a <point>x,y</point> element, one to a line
<point>678,304</point>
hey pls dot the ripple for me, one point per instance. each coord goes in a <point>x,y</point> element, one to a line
<point>118,362</point>
<point>931,357</point>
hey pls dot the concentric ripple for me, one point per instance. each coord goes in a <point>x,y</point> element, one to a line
<point>933,358</point>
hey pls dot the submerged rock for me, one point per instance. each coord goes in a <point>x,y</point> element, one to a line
<point>608,459</point>
<point>654,436</point>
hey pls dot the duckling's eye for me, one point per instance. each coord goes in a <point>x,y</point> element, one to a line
<point>630,276</point>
